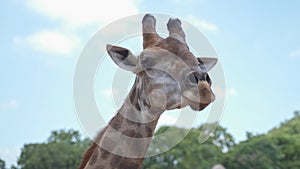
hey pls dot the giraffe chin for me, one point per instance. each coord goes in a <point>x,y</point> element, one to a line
<point>198,106</point>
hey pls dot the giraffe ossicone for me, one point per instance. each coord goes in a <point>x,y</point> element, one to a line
<point>168,76</point>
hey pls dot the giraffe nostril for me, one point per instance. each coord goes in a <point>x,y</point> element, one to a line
<point>207,78</point>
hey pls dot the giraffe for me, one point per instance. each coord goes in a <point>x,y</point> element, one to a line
<point>168,76</point>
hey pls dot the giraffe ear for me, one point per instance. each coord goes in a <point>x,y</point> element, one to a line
<point>207,64</point>
<point>122,57</point>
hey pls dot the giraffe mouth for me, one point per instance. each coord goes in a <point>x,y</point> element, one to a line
<point>196,105</point>
<point>207,97</point>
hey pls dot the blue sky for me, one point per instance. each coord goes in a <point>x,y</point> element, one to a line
<point>257,44</point>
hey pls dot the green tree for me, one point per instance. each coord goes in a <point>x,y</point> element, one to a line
<point>189,153</point>
<point>279,148</point>
<point>290,147</point>
<point>61,136</point>
<point>257,152</point>
<point>2,164</point>
<point>220,138</point>
<point>290,127</point>
<point>62,151</point>
<point>296,113</point>
<point>13,167</point>
<point>287,137</point>
<point>249,135</point>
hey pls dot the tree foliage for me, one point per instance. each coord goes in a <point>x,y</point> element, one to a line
<point>2,164</point>
<point>189,153</point>
<point>63,150</point>
<point>13,167</point>
<point>277,149</point>
<point>258,152</point>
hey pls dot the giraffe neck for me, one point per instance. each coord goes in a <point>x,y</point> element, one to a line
<point>124,142</point>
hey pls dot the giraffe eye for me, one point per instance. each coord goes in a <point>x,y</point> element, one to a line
<point>192,78</point>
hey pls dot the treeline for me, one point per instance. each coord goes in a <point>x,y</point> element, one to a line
<point>277,149</point>
<point>62,150</point>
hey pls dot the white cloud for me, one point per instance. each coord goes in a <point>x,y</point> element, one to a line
<point>50,41</point>
<point>83,12</point>
<point>295,54</point>
<point>202,24</point>
<point>9,104</point>
<point>10,155</point>
<point>232,92</point>
<point>71,15</point>
<point>12,103</point>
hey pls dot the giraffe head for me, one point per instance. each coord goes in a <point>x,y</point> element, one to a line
<point>168,75</point>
